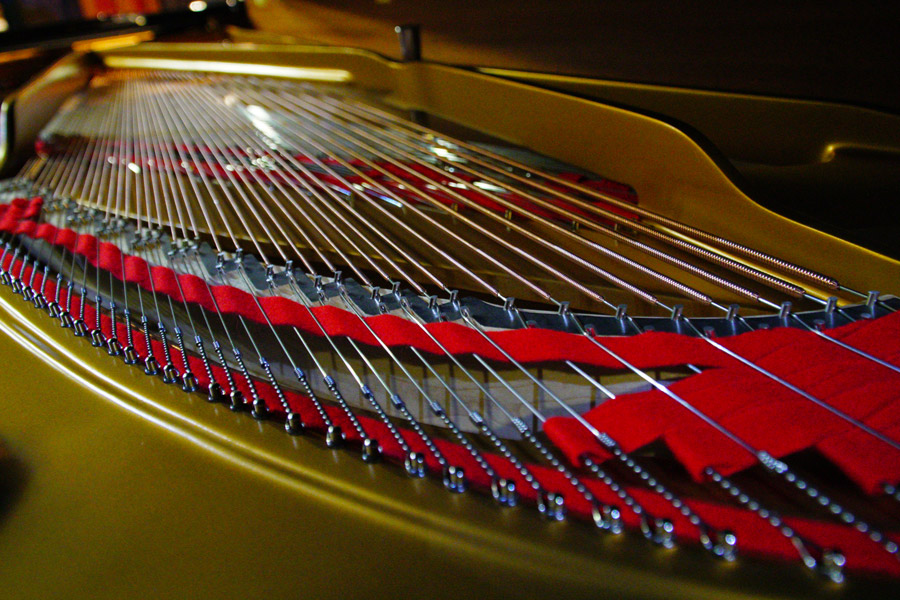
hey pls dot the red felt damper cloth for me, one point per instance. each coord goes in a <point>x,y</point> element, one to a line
<point>755,537</point>
<point>528,346</point>
<point>764,413</point>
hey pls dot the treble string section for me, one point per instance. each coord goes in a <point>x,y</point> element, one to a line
<point>543,450</point>
<point>124,158</point>
<point>119,159</point>
<point>334,435</point>
<point>414,462</point>
<point>549,503</point>
<point>453,475</point>
<point>793,539</point>
<point>162,120</point>
<point>532,176</point>
<point>398,403</point>
<point>259,406</point>
<point>147,189</point>
<point>174,128</point>
<point>147,160</point>
<point>109,160</point>
<point>293,423</point>
<point>159,164</point>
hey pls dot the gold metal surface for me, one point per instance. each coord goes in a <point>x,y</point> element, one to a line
<point>743,126</point>
<point>113,41</point>
<point>24,113</point>
<point>17,55</point>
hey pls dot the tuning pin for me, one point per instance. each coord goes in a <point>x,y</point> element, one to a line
<point>259,410</point>
<point>726,545</point>
<point>663,533</point>
<point>170,373</point>
<point>552,506</point>
<point>189,382</point>
<point>455,479</point>
<point>611,519</point>
<point>40,302</point>
<point>216,393</point>
<point>130,355</point>
<point>504,491</point>
<point>832,565</point>
<point>151,366</point>
<point>293,424</point>
<point>97,338</point>
<point>371,451</point>
<point>80,327</point>
<point>608,518</point>
<point>114,347</point>
<point>415,464</point>
<point>237,400</point>
<point>334,436</point>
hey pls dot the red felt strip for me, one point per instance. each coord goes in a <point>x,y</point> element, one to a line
<point>648,350</point>
<point>764,413</point>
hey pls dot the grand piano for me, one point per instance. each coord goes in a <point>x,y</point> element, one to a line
<point>371,299</point>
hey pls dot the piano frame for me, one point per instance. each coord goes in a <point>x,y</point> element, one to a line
<point>120,485</point>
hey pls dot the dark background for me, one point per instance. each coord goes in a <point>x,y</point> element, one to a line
<point>844,51</point>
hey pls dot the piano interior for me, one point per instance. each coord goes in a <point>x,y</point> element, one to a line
<point>394,326</point>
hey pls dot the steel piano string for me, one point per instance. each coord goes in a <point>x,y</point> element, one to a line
<point>186,170</point>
